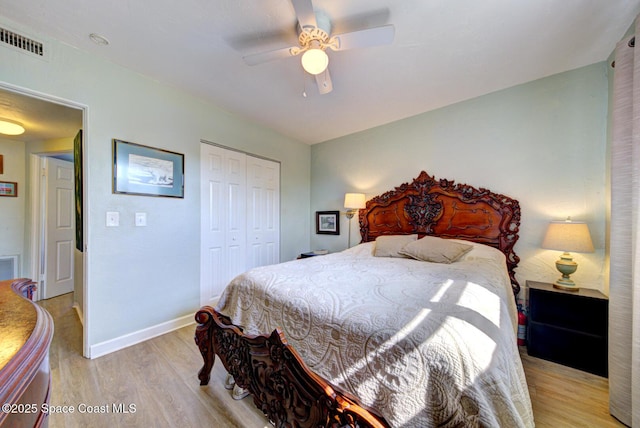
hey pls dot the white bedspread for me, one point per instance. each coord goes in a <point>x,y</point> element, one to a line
<point>425,344</point>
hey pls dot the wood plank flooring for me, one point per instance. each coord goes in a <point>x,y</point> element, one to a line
<point>566,397</point>
<point>156,383</point>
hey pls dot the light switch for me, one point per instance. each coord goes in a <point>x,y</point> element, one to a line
<point>113,218</point>
<point>141,219</point>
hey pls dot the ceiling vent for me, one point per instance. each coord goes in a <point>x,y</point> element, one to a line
<point>20,42</point>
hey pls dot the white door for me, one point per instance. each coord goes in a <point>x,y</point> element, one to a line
<point>236,213</point>
<point>222,219</point>
<point>59,230</point>
<point>263,212</point>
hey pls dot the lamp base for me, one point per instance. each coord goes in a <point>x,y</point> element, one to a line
<point>566,287</point>
<point>566,266</point>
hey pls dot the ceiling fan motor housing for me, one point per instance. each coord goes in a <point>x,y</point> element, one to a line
<point>308,36</point>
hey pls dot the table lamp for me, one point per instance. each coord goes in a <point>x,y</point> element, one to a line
<point>567,236</point>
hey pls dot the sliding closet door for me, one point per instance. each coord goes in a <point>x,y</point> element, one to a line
<point>240,217</point>
<point>263,212</point>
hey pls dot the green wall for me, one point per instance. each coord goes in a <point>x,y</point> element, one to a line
<point>138,278</point>
<point>542,143</point>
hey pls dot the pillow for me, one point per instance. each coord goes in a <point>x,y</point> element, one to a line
<point>390,245</point>
<point>364,249</point>
<point>436,250</point>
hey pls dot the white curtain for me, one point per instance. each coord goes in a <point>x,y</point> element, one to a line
<point>624,288</point>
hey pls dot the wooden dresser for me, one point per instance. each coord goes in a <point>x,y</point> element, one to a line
<point>26,331</point>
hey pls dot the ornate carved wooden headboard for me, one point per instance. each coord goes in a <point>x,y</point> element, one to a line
<point>427,206</point>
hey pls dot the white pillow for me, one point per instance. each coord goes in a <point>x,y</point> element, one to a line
<point>436,250</point>
<point>390,245</point>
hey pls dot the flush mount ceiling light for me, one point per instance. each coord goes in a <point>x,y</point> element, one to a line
<point>10,127</point>
<point>98,39</point>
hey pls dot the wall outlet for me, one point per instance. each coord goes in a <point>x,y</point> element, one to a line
<point>113,218</point>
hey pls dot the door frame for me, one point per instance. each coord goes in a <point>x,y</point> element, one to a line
<point>84,319</point>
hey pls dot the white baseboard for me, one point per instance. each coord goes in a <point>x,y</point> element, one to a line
<point>109,346</point>
<point>76,306</point>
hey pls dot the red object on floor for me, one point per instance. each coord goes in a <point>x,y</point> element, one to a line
<point>522,328</point>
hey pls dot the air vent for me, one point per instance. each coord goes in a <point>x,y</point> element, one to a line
<point>21,42</point>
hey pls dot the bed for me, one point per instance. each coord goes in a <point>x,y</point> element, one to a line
<point>399,330</point>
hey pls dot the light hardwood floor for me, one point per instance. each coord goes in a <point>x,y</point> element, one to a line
<point>158,378</point>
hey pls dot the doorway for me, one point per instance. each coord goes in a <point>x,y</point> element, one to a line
<point>50,123</point>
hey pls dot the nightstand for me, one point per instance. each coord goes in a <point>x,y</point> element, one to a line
<point>568,327</point>
<point>313,253</point>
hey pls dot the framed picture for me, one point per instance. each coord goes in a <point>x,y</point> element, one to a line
<point>8,188</point>
<point>328,222</point>
<point>143,170</point>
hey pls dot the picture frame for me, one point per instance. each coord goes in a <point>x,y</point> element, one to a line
<point>8,188</point>
<point>328,222</point>
<point>147,171</point>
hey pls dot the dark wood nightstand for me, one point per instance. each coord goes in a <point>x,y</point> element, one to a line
<point>313,254</point>
<point>568,327</point>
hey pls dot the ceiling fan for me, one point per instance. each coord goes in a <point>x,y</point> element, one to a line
<point>314,38</point>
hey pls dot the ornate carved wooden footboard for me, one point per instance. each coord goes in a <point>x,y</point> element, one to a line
<point>281,385</point>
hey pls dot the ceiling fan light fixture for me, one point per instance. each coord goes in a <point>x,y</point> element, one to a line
<point>9,127</point>
<point>315,61</point>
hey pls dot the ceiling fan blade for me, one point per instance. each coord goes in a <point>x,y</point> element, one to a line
<point>304,12</point>
<point>259,58</point>
<point>324,82</point>
<point>364,38</point>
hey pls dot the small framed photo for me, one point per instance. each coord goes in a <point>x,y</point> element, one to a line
<point>328,222</point>
<point>143,170</point>
<point>8,188</point>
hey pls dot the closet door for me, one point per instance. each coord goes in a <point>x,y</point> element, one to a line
<point>239,219</point>
<point>235,208</point>
<point>222,219</point>
<point>263,212</point>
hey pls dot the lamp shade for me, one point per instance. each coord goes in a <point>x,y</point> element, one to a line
<point>354,201</point>
<point>568,236</point>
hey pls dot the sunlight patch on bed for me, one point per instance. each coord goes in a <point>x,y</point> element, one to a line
<point>481,300</point>
<point>442,290</point>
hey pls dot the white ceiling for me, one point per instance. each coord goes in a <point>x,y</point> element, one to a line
<point>443,52</point>
<point>42,120</point>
